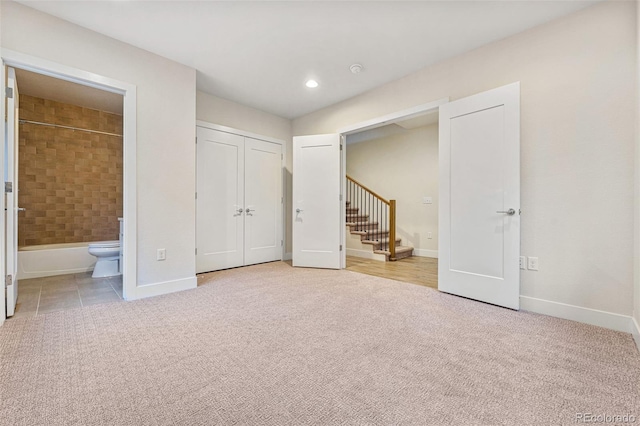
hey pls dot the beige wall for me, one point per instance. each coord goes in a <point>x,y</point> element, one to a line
<point>577,79</point>
<point>70,181</point>
<point>220,111</point>
<point>166,101</point>
<point>404,167</point>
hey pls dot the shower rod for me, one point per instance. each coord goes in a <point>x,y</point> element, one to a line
<point>67,127</point>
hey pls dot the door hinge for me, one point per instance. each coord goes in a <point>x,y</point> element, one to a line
<point>282,156</point>
<point>281,243</point>
<point>196,195</point>
<point>196,139</point>
<point>340,247</point>
<point>340,197</point>
<point>8,280</point>
<point>340,147</point>
<point>9,92</point>
<point>196,251</point>
<point>8,187</point>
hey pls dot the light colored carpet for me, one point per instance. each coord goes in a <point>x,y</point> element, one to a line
<point>270,344</point>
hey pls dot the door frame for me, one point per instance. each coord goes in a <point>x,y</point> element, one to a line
<point>405,114</point>
<point>38,65</point>
<point>283,166</point>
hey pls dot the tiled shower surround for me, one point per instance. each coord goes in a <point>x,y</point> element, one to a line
<point>70,181</point>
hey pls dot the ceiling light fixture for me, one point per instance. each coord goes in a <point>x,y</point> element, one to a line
<point>356,68</point>
<point>311,84</point>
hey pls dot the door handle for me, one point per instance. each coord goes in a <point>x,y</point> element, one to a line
<point>510,212</point>
<point>21,209</point>
<point>299,210</point>
<point>240,210</point>
<point>248,211</point>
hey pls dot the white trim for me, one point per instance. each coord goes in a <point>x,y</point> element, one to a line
<point>220,128</point>
<point>166,287</point>
<point>3,240</point>
<point>425,253</point>
<point>635,331</point>
<point>405,114</point>
<point>366,254</point>
<point>129,140</point>
<point>287,256</point>
<point>576,313</point>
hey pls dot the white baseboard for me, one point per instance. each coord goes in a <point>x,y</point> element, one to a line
<point>576,313</point>
<point>287,256</point>
<point>365,254</point>
<point>635,330</point>
<point>165,287</point>
<point>425,253</point>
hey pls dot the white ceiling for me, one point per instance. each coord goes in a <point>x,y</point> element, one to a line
<point>261,53</point>
<point>45,87</point>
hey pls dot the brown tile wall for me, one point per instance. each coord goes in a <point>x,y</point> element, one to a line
<point>70,181</point>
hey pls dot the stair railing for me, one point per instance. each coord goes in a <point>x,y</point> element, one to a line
<point>379,210</point>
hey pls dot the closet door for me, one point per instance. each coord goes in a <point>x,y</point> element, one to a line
<point>220,200</point>
<point>263,201</point>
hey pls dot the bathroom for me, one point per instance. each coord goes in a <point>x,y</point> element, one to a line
<point>70,195</point>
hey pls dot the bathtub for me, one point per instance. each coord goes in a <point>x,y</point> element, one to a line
<point>54,259</point>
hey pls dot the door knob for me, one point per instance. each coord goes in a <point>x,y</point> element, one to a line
<point>510,212</point>
<point>298,210</point>
<point>248,211</point>
<point>21,209</point>
<point>239,211</point>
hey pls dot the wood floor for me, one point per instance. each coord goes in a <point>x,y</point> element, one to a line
<point>415,270</point>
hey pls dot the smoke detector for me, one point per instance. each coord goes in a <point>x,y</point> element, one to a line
<point>356,68</point>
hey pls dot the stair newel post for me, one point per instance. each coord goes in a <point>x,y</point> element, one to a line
<point>392,230</point>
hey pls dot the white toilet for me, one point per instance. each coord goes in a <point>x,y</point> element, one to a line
<point>108,254</point>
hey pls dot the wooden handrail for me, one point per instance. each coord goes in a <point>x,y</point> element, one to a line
<point>387,202</point>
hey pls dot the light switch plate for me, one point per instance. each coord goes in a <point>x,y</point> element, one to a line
<point>427,200</point>
<point>533,264</point>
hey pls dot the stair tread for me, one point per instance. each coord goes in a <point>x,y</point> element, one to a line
<point>382,240</point>
<point>399,250</point>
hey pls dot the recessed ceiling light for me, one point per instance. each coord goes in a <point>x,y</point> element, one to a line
<point>311,83</point>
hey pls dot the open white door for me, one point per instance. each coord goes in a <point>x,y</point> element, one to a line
<point>11,191</point>
<point>220,200</point>
<point>316,201</point>
<point>479,217</point>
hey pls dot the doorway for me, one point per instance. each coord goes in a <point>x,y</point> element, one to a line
<point>479,191</point>
<point>126,92</point>
<point>399,162</point>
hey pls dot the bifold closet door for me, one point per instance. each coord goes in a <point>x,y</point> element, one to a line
<point>263,201</point>
<point>220,200</point>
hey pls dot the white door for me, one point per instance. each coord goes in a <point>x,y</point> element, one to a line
<point>263,201</point>
<point>220,200</point>
<point>11,176</point>
<point>316,201</point>
<point>479,217</point>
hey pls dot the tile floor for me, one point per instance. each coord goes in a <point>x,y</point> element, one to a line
<point>38,296</point>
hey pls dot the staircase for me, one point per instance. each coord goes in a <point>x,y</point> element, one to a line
<point>373,218</point>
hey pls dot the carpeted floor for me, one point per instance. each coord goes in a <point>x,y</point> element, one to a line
<point>274,345</point>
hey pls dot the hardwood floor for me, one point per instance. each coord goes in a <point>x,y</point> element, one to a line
<point>415,270</point>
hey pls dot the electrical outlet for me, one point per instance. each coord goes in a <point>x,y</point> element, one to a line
<point>429,236</point>
<point>523,263</point>
<point>533,264</point>
<point>162,254</point>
